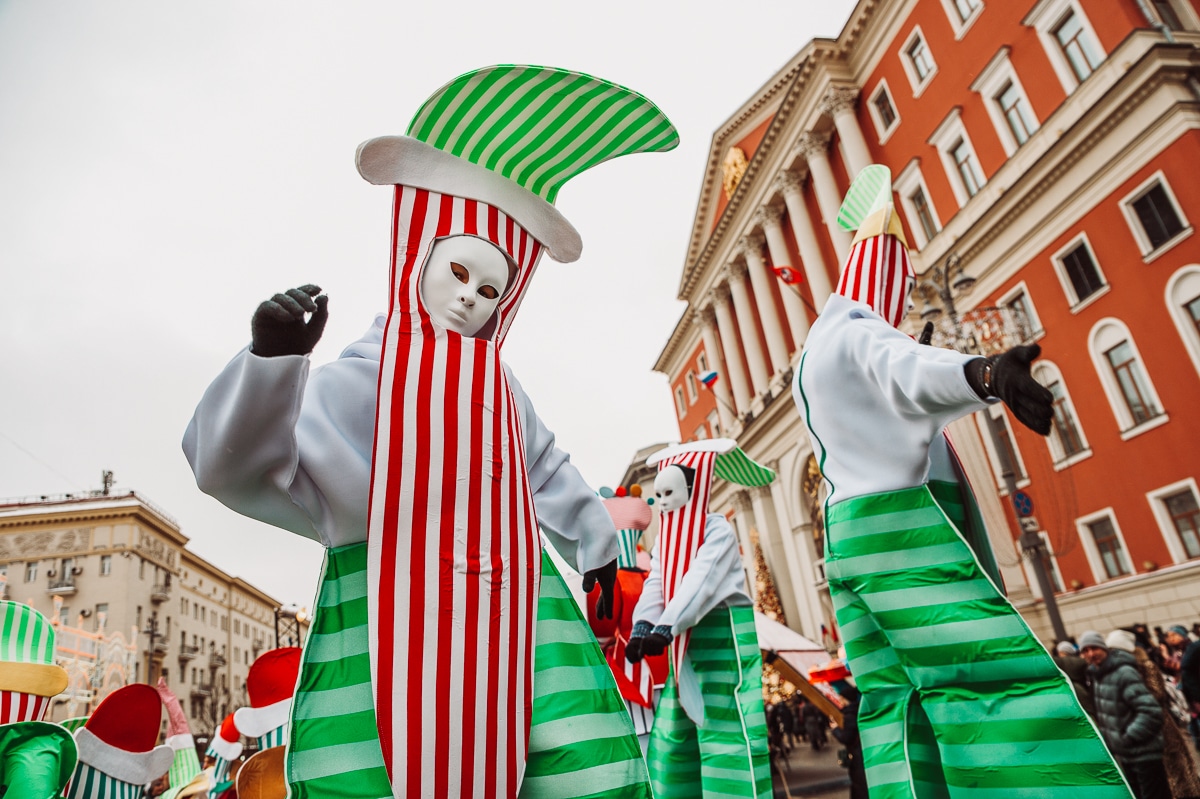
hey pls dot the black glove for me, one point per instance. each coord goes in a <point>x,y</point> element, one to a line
<point>278,326</point>
<point>1007,376</point>
<point>633,647</point>
<point>926,336</point>
<point>606,576</point>
<point>657,641</point>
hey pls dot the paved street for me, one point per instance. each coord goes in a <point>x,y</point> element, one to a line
<point>812,775</point>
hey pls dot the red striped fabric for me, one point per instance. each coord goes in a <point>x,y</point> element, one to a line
<point>681,532</point>
<point>15,706</point>
<point>453,559</point>
<point>879,273</point>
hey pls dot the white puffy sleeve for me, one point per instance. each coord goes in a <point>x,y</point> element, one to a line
<point>292,450</point>
<point>568,510</point>
<point>651,603</point>
<point>715,576</point>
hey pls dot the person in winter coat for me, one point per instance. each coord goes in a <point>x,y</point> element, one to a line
<point>1066,657</point>
<point>1177,756</point>
<point>849,737</point>
<point>1128,715</point>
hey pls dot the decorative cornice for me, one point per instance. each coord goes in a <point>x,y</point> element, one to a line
<point>769,216</point>
<point>735,270</point>
<point>810,143</point>
<point>790,180</point>
<point>751,245</point>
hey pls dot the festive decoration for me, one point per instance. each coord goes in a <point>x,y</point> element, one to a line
<point>766,602</point>
<point>225,747</point>
<point>270,683</point>
<point>117,755</point>
<point>957,692</point>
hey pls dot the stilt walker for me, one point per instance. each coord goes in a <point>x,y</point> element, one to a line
<point>959,697</point>
<point>461,473</point>
<point>710,732</point>
<point>640,682</point>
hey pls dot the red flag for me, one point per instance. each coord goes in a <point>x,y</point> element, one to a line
<point>787,274</point>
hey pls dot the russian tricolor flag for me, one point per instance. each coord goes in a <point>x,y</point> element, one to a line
<point>708,379</point>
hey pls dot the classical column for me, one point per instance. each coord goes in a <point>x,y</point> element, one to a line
<point>838,105</point>
<point>769,218</point>
<point>812,148</point>
<point>742,522</point>
<point>748,324</point>
<point>706,317</point>
<point>729,341</point>
<point>799,563</point>
<point>790,185</point>
<point>783,566</point>
<point>760,280</point>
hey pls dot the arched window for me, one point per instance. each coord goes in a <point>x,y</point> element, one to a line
<point>1119,364</point>
<point>1067,442</point>
<point>1183,301</point>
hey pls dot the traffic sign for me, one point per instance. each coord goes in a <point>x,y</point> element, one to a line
<point>1029,524</point>
<point>1023,503</point>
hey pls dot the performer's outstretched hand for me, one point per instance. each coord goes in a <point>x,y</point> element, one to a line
<point>1007,377</point>
<point>606,575</point>
<point>278,326</point>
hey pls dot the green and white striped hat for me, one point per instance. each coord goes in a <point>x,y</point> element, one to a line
<point>731,463</point>
<point>511,136</point>
<point>27,653</point>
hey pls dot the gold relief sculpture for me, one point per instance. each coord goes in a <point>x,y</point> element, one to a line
<point>733,169</point>
<point>814,489</point>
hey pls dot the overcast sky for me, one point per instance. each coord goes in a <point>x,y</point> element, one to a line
<point>164,167</point>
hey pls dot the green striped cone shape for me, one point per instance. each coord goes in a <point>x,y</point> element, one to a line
<point>74,724</point>
<point>539,126</point>
<point>184,767</point>
<point>627,555</point>
<point>738,467</point>
<point>959,697</point>
<point>870,191</point>
<point>581,734</point>
<point>728,756</point>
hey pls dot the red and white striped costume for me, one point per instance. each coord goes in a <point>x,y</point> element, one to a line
<point>453,548</point>
<point>879,274</point>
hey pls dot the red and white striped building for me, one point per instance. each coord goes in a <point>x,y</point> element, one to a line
<point>1042,155</point>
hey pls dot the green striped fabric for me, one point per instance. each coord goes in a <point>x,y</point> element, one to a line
<point>91,783</point>
<point>184,769</point>
<point>333,749</point>
<point>870,191</point>
<point>959,697</point>
<point>627,555</point>
<point>738,467</point>
<point>580,734</point>
<point>25,635</point>
<point>540,126</point>
<point>581,741</point>
<point>74,724</point>
<point>727,757</point>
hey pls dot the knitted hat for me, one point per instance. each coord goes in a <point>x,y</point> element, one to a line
<point>1091,638</point>
<point>116,745</point>
<point>271,683</point>
<point>1066,648</point>
<point>28,675</point>
<point>36,759</point>
<point>511,136</point>
<point>1121,639</point>
<point>1178,629</point>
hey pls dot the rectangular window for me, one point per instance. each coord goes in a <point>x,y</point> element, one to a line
<point>1193,309</point>
<point>1076,46</point>
<point>680,402</point>
<point>1108,547</point>
<point>701,433</point>
<point>1006,451</point>
<point>101,614</point>
<point>1166,12</point>
<point>883,107</point>
<point>64,613</point>
<point>141,570</point>
<point>1064,422</point>
<point>924,214</point>
<point>105,565</point>
<point>918,56</point>
<point>968,170</point>
<point>714,424</point>
<point>1016,112</point>
<point>1132,381</point>
<point>1022,315</point>
<point>702,362</point>
<point>693,389</point>
<point>1157,216</point>
<point>1185,516</point>
<point>1048,566</point>
<point>1081,271</point>
<point>31,572</point>
<point>966,8</point>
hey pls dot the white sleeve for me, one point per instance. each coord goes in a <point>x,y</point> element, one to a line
<point>569,512</point>
<point>292,450</point>
<point>713,576</point>
<point>650,604</point>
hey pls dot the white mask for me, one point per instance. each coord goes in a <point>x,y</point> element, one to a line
<point>670,488</point>
<point>462,283</point>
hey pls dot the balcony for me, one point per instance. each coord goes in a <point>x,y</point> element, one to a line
<point>61,586</point>
<point>187,653</point>
<point>160,593</point>
<point>202,691</point>
<point>216,661</point>
<point>160,647</point>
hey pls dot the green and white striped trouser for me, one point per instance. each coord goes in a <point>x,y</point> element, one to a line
<point>960,700</point>
<point>581,743</point>
<point>727,757</point>
<point>90,783</point>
